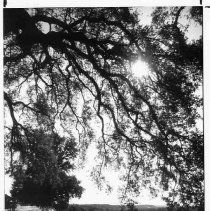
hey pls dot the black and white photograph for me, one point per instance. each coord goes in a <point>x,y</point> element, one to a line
<point>103,108</point>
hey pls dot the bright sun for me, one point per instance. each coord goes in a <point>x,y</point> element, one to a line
<point>140,68</point>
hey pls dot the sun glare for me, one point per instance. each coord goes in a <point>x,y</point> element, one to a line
<point>140,69</point>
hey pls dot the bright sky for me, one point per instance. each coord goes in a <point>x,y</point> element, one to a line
<point>92,195</point>
<point>96,3</point>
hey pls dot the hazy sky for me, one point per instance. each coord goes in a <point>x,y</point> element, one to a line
<point>93,195</point>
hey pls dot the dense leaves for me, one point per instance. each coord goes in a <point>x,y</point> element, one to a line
<point>40,177</point>
<point>10,203</point>
<point>69,70</point>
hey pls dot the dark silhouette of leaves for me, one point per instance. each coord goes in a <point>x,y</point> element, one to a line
<point>73,67</point>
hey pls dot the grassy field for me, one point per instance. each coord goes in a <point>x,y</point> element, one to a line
<point>95,207</point>
<point>107,207</point>
<point>98,207</point>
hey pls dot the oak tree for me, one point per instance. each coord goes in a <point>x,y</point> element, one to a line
<point>41,174</point>
<point>69,70</point>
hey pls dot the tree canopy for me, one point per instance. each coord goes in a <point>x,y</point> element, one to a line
<point>68,71</point>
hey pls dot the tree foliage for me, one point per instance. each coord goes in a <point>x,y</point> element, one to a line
<point>73,67</point>
<point>10,203</point>
<point>40,176</point>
